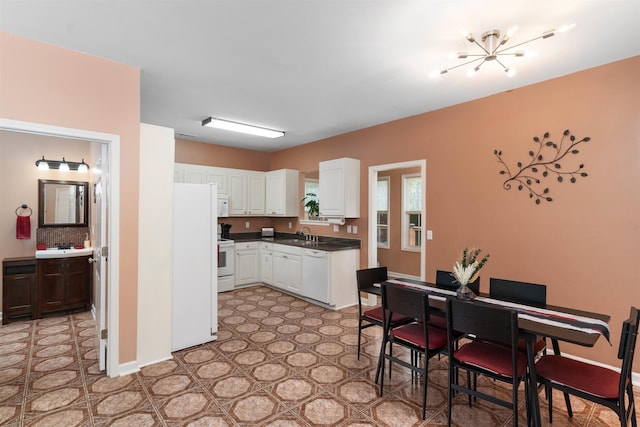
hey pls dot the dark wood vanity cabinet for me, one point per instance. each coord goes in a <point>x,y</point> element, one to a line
<point>63,284</point>
<point>18,288</point>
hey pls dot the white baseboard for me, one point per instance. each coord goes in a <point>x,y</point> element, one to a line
<point>162,359</point>
<point>128,368</point>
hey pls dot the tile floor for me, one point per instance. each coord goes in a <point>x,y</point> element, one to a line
<point>278,361</point>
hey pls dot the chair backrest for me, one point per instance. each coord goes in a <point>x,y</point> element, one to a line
<point>518,292</point>
<point>445,280</point>
<point>405,300</point>
<point>485,321</point>
<point>368,276</point>
<point>626,350</point>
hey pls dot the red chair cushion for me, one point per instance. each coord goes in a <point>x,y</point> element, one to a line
<point>414,334</point>
<point>376,314</point>
<point>438,322</point>
<point>582,376</point>
<point>537,346</point>
<point>492,357</point>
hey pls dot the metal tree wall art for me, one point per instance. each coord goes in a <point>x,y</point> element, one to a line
<point>543,162</point>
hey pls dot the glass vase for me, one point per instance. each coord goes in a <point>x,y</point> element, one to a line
<point>465,293</point>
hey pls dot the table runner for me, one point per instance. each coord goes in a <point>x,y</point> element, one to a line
<point>540,315</point>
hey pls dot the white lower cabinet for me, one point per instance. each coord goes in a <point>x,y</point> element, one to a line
<point>287,268</point>
<point>247,263</point>
<point>266,263</point>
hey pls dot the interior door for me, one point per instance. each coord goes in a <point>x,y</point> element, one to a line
<point>100,258</point>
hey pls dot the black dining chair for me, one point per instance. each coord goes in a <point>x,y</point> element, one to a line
<point>366,279</point>
<point>594,383</point>
<point>444,280</point>
<point>493,354</point>
<point>418,337</point>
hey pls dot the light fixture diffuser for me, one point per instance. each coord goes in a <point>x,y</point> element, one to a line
<point>242,128</point>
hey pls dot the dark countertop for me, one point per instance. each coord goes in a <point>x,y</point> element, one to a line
<point>324,243</point>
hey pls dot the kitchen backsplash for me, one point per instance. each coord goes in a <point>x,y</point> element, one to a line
<point>53,236</point>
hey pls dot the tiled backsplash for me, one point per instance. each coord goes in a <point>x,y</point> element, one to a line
<point>53,236</point>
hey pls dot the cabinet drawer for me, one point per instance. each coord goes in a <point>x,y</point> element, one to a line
<point>246,245</point>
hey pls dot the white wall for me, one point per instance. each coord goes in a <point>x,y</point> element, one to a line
<point>157,154</point>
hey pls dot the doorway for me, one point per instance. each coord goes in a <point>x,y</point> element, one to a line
<point>107,302</point>
<point>373,213</point>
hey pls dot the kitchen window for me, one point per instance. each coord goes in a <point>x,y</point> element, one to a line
<point>383,212</point>
<point>411,212</point>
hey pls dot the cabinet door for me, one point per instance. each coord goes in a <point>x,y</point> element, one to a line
<point>195,174</point>
<point>178,172</point>
<point>247,267</point>
<point>255,194</point>
<point>275,189</point>
<point>78,282</point>
<point>19,296</point>
<point>331,190</point>
<point>218,176</point>
<point>294,271</point>
<point>237,194</point>
<point>280,270</point>
<point>266,266</point>
<point>51,285</point>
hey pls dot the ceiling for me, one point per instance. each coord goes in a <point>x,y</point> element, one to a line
<point>319,68</point>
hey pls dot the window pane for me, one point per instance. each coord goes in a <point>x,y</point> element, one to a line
<point>383,194</point>
<point>383,218</point>
<point>383,235</point>
<point>413,193</point>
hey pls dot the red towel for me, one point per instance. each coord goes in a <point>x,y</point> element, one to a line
<point>23,227</point>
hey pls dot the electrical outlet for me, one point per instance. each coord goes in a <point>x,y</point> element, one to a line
<point>289,225</point>
<point>336,228</point>
<point>429,235</point>
<point>354,229</point>
<point>348,229</point>
<point>247,225</point>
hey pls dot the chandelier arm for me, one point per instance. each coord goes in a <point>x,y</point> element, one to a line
<point>481,47</point>
<point>502,65</point>
<point>516,45</point>
<point>465,63</point>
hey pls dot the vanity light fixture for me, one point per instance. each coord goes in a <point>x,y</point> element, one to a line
<point>492,48</point>
<point>62,165</point>
<point>241,127</point>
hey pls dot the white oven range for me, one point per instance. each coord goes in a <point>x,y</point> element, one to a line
<point>226,266</point>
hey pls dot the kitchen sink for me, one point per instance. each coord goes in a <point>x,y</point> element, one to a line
<point>62,253</point>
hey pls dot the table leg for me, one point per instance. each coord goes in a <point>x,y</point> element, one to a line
<point>534,403</point>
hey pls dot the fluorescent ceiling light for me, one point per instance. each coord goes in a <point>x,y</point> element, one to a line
<point>241,127</point>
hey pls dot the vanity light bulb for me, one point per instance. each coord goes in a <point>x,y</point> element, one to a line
<point>64,167</point>
<point>43,166</point>
<point>83,167</point>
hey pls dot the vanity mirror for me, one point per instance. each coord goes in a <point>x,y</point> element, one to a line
<point>63,203</point>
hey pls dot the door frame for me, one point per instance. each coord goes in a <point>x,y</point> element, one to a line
<point>113,266</point>
<point>373,191</point>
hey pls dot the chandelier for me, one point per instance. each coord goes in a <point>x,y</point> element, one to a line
<point>492,49</point>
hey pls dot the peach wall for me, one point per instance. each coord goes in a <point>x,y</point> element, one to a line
<point>45,84</point>
<point>198,153</point>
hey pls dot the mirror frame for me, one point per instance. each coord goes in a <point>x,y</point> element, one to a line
<point>41,200</point>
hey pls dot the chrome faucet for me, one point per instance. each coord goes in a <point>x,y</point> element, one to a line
<point>306,236</point>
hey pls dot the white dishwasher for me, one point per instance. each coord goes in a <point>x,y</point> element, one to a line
<point>315,275</point>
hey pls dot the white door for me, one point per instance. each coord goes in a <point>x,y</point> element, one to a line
<point>99,244</point>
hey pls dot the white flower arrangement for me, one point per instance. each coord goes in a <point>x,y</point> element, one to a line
<point>467,267</point>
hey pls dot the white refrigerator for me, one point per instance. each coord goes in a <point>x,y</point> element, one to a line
<point>195,265</point>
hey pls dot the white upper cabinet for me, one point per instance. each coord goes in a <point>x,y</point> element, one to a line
<point>282,192</point>
<point>246,192</point>
<point>339,194</point>
<point>196,174</point>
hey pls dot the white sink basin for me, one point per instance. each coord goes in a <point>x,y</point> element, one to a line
<point>62,253</point>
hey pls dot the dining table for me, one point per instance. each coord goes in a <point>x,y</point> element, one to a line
<point>558,323</point>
